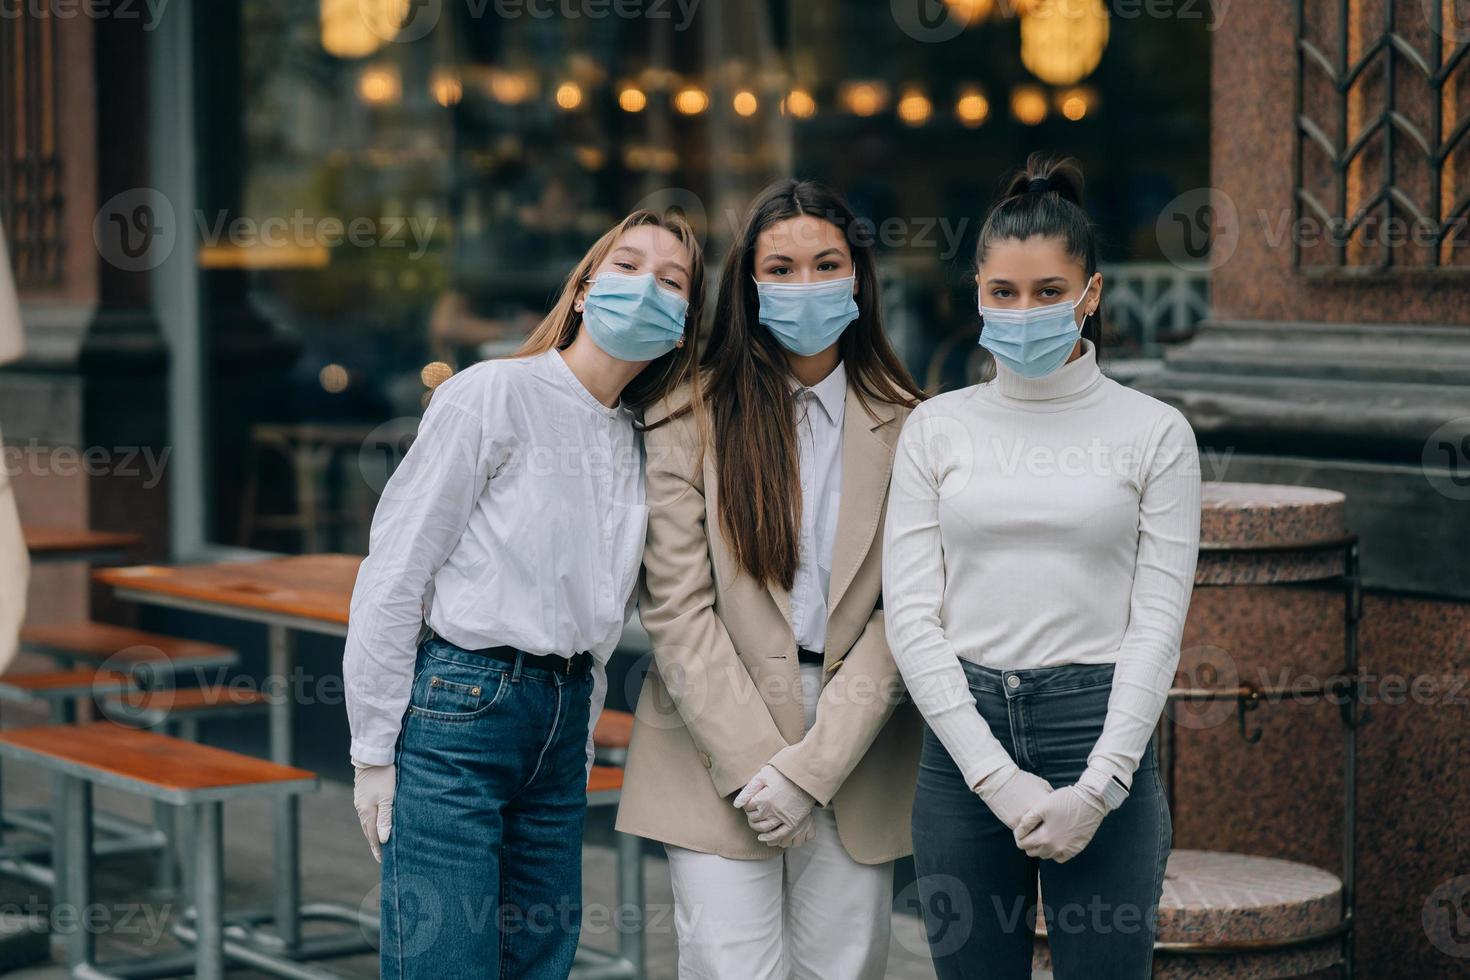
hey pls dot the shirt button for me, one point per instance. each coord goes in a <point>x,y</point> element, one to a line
<point>708,762</point>
<point>1013,682</point>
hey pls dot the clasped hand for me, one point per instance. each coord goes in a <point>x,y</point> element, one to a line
<point>1061,825</point>
<point>779,811</point>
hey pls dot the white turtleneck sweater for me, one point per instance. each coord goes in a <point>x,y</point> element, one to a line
<point>1035,523</point>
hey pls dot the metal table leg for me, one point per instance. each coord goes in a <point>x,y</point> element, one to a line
<point>630,894</point>
<point>287,904</point>
<point>74,896</point>
<point>209,891</point>
<point>271,940</point>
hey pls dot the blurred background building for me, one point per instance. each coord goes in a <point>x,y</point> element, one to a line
<point>322,207</point>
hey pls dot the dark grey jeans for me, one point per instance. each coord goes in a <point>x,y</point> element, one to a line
<point>978,891</point>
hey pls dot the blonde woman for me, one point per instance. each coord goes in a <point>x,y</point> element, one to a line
<point>502,562</point>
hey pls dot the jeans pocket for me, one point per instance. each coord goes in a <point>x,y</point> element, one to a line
<point>449,691</point>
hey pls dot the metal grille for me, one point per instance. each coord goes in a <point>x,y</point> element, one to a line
<point>1382,154</point>
<point>30,162</point>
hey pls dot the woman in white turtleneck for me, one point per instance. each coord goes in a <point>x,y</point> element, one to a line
<point>1039,555</point>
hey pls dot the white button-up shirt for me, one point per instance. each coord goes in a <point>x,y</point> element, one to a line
<point>515,519</point>
<point>819,412</point>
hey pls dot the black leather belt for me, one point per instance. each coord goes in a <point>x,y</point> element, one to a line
<point>803,655</point>
<point>576,664</point>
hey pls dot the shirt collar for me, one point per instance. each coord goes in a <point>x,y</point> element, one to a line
<point>830,392</point>
<point>560,367</point>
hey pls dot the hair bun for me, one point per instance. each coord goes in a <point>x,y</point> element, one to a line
<point>1044,174</point>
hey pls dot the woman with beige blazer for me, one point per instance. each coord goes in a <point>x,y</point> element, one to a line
<point>774,752</point>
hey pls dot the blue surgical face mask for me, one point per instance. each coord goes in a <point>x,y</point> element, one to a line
<point>633,318</point>
<point>1033,343</point>
<point>807,317</point>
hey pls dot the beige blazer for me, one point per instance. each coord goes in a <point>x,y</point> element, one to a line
<point>722,696</point>
<point>15,563</point>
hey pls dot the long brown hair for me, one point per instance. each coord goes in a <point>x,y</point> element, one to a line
<point>680,365</point>
<point>750,404</point>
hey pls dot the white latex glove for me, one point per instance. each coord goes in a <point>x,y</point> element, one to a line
<point>1058,828</point>
<point>372,795</point>
<point>1012,791</point>
<point>771,801</point>
<point>784,836</point>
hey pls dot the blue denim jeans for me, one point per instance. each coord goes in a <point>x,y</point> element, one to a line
<point>482,875</point>
<point>978,891</point>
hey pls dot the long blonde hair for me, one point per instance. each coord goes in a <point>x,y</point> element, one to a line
<point>681,365</point>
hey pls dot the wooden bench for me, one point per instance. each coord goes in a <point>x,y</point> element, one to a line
<point>68,544</point>
<point>123,647</point>
<point>178,711</point>
<point>59,690</point>
<point>611,736</point>
<point>195,778</point>
<point>155,661</point>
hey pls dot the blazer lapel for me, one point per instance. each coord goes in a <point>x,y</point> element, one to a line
<point>867,462</point>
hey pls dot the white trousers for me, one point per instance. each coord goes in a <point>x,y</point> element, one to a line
<point>808,913</point>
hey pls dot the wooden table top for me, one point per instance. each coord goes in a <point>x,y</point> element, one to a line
<point>46,540</point>
<point>151,764</point>
<point>311,587</point>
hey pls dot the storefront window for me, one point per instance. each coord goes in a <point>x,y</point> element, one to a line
<point>394,190</point>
